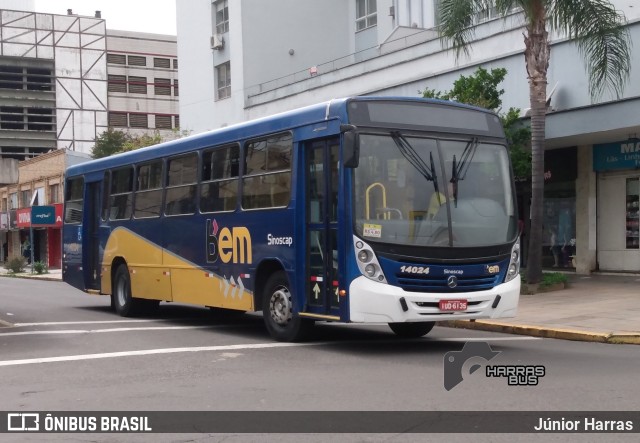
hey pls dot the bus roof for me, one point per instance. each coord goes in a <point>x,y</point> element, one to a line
<point>329,110</point>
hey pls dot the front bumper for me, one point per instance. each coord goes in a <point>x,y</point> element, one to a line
<point>372,302</point>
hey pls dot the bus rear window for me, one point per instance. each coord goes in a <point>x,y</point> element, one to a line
<point>74,201</point>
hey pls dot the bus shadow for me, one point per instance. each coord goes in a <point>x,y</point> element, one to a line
<point>363,340</point>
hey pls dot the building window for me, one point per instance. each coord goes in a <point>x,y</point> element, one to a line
<point>175,63</point>
<point>10,77</point>
<point>162,86</point>
<point>177,122</point>
<point>163,121</point>
<point>39,119</point>
<point>136,60</point>
<point>366,14</point>
<point>54,193</point>
<point>4,205</point>
<point>159,62</point>
<point>13,200</point>
<point>138,120</point>
<point>118,119</point>
<point>222,16</point>
<point>223,75</point>
<point>175,88</point>
<point>117,83</point>
<point>116,59</point>
<point>11,117</point>
<point>25,198</point>
<point>137,85</point>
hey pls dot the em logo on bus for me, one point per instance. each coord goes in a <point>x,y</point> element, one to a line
<point>228,244</point>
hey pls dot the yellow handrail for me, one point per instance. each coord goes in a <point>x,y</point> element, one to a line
<point>386,215</point>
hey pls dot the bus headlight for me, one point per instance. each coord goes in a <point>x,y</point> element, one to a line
<point>364,256</point>
<point>514,263</point>
<point>370,270</point>
<point>367,261</point>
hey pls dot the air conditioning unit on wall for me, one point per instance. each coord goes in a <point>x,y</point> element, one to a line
<point>217,42</point>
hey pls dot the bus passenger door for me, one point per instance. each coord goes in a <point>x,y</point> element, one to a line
<point>321,200</point>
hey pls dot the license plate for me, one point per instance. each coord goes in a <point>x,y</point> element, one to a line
<point>453,305</point>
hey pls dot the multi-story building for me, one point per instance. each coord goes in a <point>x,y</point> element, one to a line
<point>64,79</point>
<point>142,86</point>
<point>237,65</point>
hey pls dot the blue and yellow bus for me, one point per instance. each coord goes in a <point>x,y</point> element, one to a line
<point>363,209</point>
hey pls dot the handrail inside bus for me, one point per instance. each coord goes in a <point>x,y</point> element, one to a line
<point>386,215</point>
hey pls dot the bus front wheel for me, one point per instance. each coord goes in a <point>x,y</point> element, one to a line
<point>412,330</point>
<point>277,309</point>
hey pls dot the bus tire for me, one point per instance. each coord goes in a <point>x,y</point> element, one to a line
<point>125,305</point>
<point>281,321</point>
<point>412,330</point>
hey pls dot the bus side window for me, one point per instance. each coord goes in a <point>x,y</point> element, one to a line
<point>219,186</point>
<point>267,179</point>
<point>121,193</point>
<point>182,175</point>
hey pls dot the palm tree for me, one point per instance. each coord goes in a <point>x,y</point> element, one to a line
<point>603,41</point>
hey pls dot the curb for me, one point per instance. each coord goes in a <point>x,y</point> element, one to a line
<point>546,332</point>
<point>26,276</point>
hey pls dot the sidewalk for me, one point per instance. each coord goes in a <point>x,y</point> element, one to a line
<point>52,275</point>
<point>595,308</point>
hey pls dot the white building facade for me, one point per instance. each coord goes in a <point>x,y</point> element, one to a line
<point>244,59</point>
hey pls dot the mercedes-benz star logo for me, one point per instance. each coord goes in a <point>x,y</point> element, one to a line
<point>452,281</point>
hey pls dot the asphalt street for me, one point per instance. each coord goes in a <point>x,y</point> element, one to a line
<point>67,351</point>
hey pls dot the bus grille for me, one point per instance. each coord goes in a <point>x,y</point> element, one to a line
<point>426,283</point>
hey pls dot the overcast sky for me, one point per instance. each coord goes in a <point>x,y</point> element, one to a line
<point>157,16</point>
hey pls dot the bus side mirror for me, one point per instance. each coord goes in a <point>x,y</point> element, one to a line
<point>351,149</point>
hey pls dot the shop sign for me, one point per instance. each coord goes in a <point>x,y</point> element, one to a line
<point>58,209</point>
<point>619,155</point>
<point>4,221</point>
<point>43,215</point>
<point>24,217</point>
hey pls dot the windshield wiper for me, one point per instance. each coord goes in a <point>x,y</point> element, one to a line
<point>459,171</point>
<point>428,172</point>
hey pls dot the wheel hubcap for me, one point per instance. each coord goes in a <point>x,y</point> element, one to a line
<point>280,306</point>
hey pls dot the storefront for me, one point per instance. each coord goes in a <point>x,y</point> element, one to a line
<point>618,176</point>
<point>4,236</point>
<point>41,229</point>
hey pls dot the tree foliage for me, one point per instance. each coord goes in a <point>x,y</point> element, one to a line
<point>603,40</point>
<point>109,142</point>
<point>113,141</point>
<point>481,89</point>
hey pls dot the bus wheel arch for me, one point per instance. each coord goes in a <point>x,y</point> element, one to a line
<point>122,299</point>
<point>278,308</point>
<point>265,270</point>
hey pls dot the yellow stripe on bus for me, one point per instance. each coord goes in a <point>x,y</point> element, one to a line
<point>164,276</point>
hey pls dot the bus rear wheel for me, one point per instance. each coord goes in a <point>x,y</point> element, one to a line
<point>412,330</point>
<point>122,300</point>
<point>277,309</point>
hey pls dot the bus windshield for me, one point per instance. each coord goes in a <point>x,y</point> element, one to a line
<point>428,191</point>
